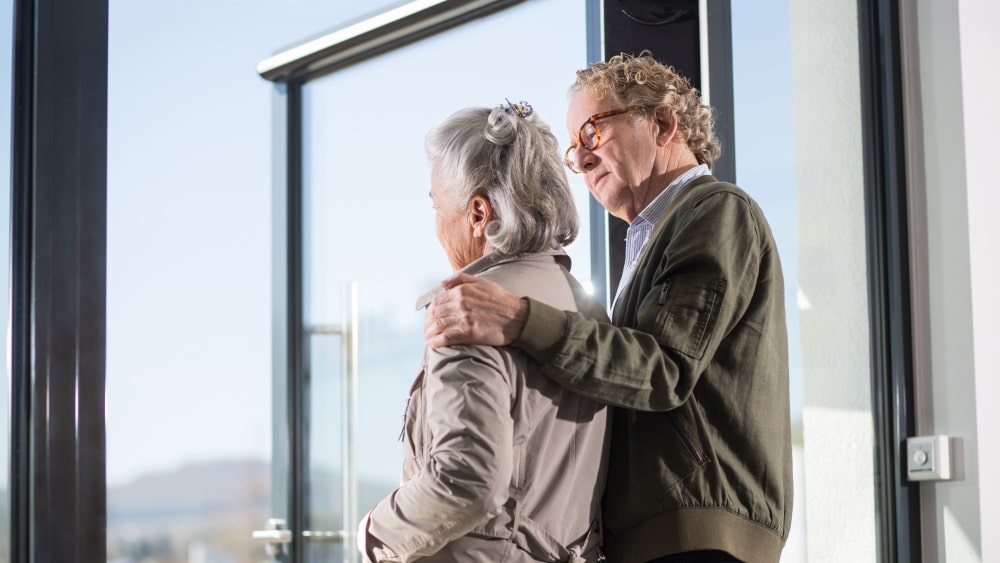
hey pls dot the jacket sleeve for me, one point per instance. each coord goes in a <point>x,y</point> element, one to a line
<point>702,280</point>
<point>466,476</point>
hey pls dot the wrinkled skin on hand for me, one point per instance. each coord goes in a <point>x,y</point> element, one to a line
<point>474,310</point>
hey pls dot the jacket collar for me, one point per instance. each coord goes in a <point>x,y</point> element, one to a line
<point>495,259</point>
<point>681,196</point>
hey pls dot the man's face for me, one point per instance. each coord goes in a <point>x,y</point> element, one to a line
<point>618,171</point>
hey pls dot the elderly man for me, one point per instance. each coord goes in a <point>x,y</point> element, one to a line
<point>696,356</point>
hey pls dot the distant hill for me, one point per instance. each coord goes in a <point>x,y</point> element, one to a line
<point>159,517</point>
<point>191,490</point>
<point>213,506</point>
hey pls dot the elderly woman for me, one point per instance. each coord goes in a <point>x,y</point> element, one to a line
<point>500,462</point>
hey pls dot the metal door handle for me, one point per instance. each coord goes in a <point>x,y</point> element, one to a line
<point>285,536</point>
<point>274,536</point>
<point>325,537</point>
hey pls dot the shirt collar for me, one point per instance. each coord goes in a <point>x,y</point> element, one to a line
<point>661,202</point>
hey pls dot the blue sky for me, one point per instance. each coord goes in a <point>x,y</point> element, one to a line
<point>189,193</point>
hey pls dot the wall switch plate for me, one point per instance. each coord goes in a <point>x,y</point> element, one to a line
<point>929,458</point>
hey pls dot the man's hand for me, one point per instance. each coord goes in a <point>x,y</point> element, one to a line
<point>474,310</point>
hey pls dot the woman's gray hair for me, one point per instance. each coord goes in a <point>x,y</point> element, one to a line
<point>511,158</point>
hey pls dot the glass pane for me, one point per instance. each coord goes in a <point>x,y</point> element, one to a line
<point>6,41</point>
<point>189,273</point>
<point>366,181</point>
<point>325,486</point>
<point>810,186</point>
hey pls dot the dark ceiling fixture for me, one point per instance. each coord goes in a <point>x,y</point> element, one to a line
<point>658,12</point>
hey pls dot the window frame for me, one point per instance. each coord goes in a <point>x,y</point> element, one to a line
<point>58,281</point>
<point>889,278</point>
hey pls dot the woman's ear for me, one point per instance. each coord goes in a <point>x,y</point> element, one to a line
<point>666,125</point>
<point>480,214</point>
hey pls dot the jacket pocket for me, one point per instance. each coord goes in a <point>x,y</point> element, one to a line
<point>688,436</point>
<point>682,313</point>
<point>663,452</point>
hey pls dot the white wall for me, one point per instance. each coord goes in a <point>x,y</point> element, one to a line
<point>980,85</point>
<point>955,122</point>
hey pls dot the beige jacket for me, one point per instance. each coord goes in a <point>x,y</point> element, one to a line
<point>501,464</point>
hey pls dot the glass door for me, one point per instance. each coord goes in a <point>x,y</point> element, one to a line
<point>318,469</point>
<point>365,222</point>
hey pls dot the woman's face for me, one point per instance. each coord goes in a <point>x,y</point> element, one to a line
<point>456,226</point>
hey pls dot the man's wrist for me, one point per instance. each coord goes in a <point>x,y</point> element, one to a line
<point>544,327</point>
<point>516,326</point>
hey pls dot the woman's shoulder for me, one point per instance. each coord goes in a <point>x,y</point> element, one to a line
<point>538,276</point>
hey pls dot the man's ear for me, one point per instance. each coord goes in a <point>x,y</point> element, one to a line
<point>480,214</point>
<point>666,125</point>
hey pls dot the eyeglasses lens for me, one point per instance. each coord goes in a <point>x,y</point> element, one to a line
<point>570,160</point>
<point>589,136</point>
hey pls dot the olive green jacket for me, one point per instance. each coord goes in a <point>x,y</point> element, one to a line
<point>697,359</point>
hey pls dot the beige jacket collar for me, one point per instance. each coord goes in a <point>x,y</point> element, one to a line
<point>494,259</point>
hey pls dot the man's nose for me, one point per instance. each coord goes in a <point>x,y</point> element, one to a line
<point>585,158</point>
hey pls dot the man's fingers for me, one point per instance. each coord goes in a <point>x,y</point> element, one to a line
<point>440,326</point>
<point>440,333</point>
<point>445,339</point>
<point>472,310</point>
<point>434,324</point>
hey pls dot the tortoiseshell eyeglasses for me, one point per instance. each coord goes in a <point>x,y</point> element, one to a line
<point>589,136</point>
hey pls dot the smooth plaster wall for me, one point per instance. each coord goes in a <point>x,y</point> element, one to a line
<point>980,85</point>
<point>951,60</point>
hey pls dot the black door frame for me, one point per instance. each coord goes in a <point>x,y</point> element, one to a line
<point>889,283</point>
<point>58,281</point>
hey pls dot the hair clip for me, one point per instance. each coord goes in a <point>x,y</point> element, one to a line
<point>522,109</point>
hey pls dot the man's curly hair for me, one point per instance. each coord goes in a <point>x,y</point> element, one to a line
<point>644,81</point>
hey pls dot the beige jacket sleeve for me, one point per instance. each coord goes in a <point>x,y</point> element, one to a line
<point>465,477</point>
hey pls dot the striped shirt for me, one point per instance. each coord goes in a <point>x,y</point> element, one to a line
<point>642,226</point>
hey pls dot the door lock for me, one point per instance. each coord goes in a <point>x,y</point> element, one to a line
<point>929,458</point>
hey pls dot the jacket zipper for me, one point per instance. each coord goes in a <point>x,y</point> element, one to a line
<point>663,293</point>
<point>406,410</point>
<point>687,441</point>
